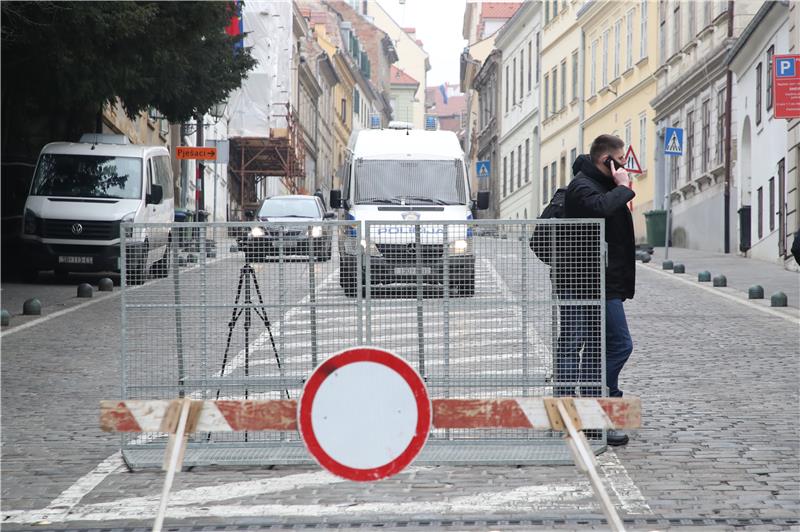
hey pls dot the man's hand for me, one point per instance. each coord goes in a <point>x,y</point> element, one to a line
<point>621,177</point>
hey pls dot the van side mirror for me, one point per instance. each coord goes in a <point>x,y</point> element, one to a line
<point>483,200</point>
<point>336,199</point>
<point>249,215</point>
<point>155,196</point>
<point>330,216</point>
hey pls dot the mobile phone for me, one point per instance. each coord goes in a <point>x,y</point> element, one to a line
<point>608,160</point>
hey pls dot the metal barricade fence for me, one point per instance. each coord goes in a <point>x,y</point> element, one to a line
<point>482,309</point>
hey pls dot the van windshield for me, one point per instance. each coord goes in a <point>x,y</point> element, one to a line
<point>88,176</point>
<point>410,182</point>
<point>289,208</point>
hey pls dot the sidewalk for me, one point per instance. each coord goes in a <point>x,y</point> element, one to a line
<point>741,272</point>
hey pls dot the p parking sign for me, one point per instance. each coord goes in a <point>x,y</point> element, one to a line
<point>786,84</point>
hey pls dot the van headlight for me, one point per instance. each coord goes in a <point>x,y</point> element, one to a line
<point>257,232</point>
<point>128,219</point>
<point>316,232</point>
<point>460,247</point>
<point>30,222</point>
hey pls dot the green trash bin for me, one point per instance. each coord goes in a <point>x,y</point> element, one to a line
<point>656,222</point>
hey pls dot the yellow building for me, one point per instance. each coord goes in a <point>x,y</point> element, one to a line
<point>560,97</point>
<point>620,50</point>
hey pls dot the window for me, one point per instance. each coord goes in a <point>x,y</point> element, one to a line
<point>546,12</point>
<point>674,171</point>
<point>690,7</point>
<point>604,74</point>
<point>642,140</point>
<point>563,83</point>
<point>511,174</point>
<point>343,111</point>
<point>530,65</point>
<point>506,88</point>
<point>555,8</point>
<point>575,75</point>
<point>617,46</point>
<point>770,53</point>
<point>643,31</point>
<point>546,95</point>
<point>552,178</point>
<point>545,196</point>
<point>771,212</point>
<point>514,84</point>
<point>527,160</point>
<point>760,212</point>
<point>628,133</point>
<point>629,41</point>
<point>505,176</point>
<point>676,28</point>
<point>758,93</point>
<point>521,73</point>
<point>563,171</point>
<point>689,145</point>
<point>707,7</point>
<point>519,166</point>
<point>593,78</point>
<point>538,56</point>
<point>720,125</point>
<point>573,154</point>
<point>356,101</point>
<point>704,136</point>
<point>662,31</point>
<point>554,75</point>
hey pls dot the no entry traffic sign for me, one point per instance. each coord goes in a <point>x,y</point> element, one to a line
<point>364,414</point>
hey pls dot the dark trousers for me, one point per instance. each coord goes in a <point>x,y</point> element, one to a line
<point>578,349</point>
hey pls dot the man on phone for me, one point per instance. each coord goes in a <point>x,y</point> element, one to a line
<point>600,189</point>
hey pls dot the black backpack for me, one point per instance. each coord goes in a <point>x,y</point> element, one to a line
<point>541,242</point>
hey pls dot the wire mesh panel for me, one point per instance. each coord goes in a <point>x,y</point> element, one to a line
<point>231,311</point>
<point>490,309</point>
<point>482,309</point>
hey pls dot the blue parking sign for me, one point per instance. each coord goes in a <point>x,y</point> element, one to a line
<point>785,67</point>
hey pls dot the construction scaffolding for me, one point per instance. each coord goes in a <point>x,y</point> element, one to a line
<point>253,159</point>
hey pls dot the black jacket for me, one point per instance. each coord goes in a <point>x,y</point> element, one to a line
<point>592,194</point>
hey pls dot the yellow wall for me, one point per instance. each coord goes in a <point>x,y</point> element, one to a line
<point>607,112</point>
<point>559,134</point>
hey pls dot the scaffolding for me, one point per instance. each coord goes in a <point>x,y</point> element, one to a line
<point>253,159</point>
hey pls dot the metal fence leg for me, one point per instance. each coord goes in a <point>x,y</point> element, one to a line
<point>420,317</point>
<point>178,318</point>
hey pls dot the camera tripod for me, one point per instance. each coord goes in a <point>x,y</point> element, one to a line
<point>248,281</point>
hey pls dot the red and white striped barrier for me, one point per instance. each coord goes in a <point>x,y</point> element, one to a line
<point>281,415</point>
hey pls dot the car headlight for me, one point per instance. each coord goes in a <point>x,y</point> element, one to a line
<point>256,232</point>
<point>459,247</point>
<point>30,222</point>
<point>128,218</point>
<point>316,231</point>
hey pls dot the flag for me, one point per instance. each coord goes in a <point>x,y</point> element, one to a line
<point>443,90</point>
<point>236,24</point>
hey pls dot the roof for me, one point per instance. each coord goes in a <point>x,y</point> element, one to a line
<point>117,150</point>
<point>398,76</point>
<point>406,143</point>
<point>501,10</point>
<point>454,106</point>
<point>409,30</point>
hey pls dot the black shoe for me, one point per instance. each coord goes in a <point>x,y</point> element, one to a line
<point>616,438</point>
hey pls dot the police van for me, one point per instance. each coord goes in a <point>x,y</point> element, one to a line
<point>403,175</point>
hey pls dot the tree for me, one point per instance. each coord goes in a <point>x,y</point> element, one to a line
<point>63,61</point>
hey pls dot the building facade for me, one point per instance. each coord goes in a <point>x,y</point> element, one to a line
<point>694,92</point>
<point>486,143</point>
<point>403,90</point>
<point>767,196</point>
<point>620,49</point>
<point>559,47</point>
<point>519,128</point>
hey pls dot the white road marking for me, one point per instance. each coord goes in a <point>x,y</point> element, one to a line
<point>199,502</point>
<point>716,291</point>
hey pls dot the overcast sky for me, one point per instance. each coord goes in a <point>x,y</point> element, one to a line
<point>438,24</point>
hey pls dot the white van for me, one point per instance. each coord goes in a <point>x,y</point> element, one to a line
<point>398,174</point>
<point>82,192</point>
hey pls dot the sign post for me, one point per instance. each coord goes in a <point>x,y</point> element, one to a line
<point>786,86</point>
<point>673,146</point>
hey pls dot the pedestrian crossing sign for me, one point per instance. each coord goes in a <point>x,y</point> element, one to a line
<point>483,169</point>
<point>673,141</point>
<point>632,162</point>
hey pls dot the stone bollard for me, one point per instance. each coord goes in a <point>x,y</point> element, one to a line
<point>778,299</point>
<point>704,276</point>
<point>85,290</point>
<point>720,280</point>
<point>646,258</point>
<point>667,265</point>
<point>5,317</point>
<point>105,285</point>
<point>755,292</point>
<point>32,307</point>
<point>679,268</point>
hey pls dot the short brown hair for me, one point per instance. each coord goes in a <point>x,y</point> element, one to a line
<point>604,144</point>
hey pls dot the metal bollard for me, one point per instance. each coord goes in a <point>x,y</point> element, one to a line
<point>755,292</point>
<point>32,307</point>
<point>720,280</point>
<point>85,290</point>
<point>704,276</point>
<point>5,317</point>
<point>778,299</point>
<point>679,268</point>
<point>667,265</point>
<point>105,285</point>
